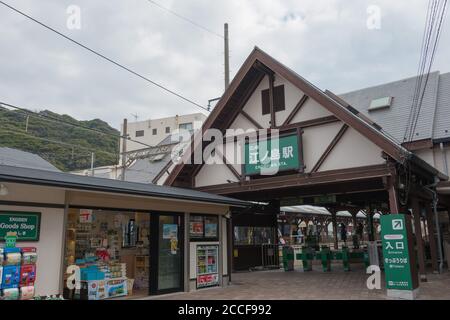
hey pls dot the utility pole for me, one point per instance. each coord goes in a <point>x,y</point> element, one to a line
<point>124,146</point>
<point>26,123</point>
<point>226,56</point>
<point>92,163</point>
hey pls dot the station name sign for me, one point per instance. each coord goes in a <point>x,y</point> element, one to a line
<point>266,155</point>
<point>25,224</point>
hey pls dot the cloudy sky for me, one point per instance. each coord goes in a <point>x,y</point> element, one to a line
<point>327,42</point>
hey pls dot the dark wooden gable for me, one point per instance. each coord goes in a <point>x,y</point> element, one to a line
<point>256,66</point>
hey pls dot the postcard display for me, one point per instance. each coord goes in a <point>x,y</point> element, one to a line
<point>207,270</point>
<point>17,273</point>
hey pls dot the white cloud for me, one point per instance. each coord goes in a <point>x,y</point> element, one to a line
<point>327,42</point>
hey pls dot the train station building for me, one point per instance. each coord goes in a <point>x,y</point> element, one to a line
<point>343,153</point>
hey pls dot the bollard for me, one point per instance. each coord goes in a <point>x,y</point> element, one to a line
<point>325,256</point>
<point>288,258</point>
<point>345,258</point>
<point>366,259</point>
<point>306,257</point>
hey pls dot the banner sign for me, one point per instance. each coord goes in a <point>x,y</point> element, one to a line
<point>397,264</point>
<point>207,280</point>
<point>25,224</point>
<point>285,157</point>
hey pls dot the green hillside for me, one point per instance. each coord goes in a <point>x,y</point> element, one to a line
<point>79,143</point>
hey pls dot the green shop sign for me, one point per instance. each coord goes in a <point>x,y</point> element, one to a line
<point>25,224</point>
<point>261,157</point>
<point>399,269</point>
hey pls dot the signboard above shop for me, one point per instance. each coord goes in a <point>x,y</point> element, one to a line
<point>26,225</point>
<point>265,155</point>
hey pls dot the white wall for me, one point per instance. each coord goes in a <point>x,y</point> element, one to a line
<point>316,140</point>
<point>435,157</point>
<point>214,174</point>
<point>353,150</point>
<point>224,246</point>
<point>48,273</point>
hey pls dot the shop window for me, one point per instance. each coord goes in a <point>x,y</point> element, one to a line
<point>253,235</point>
<point>204,227</point>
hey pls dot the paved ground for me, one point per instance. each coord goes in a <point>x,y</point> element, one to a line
<point>277,284</point>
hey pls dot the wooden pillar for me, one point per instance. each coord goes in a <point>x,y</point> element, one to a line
<point>334,222</point>
<point>271,101</point>
<point>393,199</point>
<point>370,228</point>
<point>432,238</point>
<point>419,240</point>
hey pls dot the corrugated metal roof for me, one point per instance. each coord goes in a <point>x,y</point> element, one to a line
<point>394,118</point>
<point>19,158</point>
<point>144,170</point>
<point>442,118</point>
<point>72,181</point>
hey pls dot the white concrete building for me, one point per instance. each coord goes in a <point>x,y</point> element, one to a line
<point>153,131</point>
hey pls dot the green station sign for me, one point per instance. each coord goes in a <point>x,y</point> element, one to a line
<point>396,252</point>
<point>25,224</point>
<point>261,156</point>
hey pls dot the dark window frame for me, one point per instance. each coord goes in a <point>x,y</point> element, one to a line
<point>167,129</point>
<point>139,133</point>
<point>279,100</point>
<point>154,131</point>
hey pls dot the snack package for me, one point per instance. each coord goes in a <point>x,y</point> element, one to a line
<point>29,255</point>
<point>12,256</point>
<point>27,275</point>
<point>11,277</point>
<point>11,294</point>
<point>27,293</point>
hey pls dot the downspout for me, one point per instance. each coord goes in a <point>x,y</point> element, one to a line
<point>444,158</point>
<point>432,189</point>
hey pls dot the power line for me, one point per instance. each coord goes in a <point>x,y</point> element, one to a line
<point>105,57</point>
<point>39,115</point>
<point>186,19</point>
<point>433,24</point>
<point>436,41</point>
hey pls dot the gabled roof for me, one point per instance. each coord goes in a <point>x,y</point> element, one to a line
<point>78,182</point>
<point>244,82</point>
<point>19,158</point>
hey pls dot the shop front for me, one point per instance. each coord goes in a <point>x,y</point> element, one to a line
<point>134,253</point>
<point>118,239</point>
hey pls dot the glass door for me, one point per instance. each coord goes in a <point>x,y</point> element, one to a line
<point>168,250</point>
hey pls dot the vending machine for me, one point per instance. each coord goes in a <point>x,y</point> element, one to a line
<point>207,268</point>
